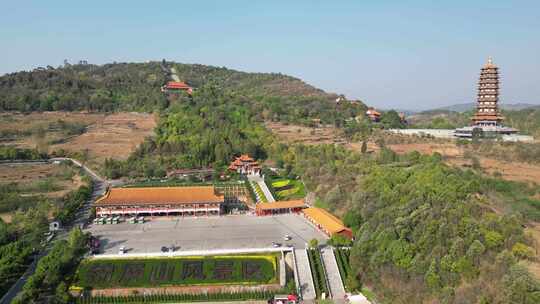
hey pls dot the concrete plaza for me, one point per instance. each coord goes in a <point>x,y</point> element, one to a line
<point>206,233</point>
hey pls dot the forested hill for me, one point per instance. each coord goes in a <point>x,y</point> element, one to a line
<point>253,84</point>
<point>136,87</point>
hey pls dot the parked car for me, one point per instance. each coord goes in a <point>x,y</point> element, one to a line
<point>283,299</point>
<point>287,237</point>
<point>122,250</point>
<point>275,245</point>
<point>164,249</point>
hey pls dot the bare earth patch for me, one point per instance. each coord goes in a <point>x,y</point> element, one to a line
<point>357,147</point>
<point>447,150</point>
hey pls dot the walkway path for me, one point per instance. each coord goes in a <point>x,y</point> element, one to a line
<point>260,181</point>
<point>332,272</point>
<point>307,287</point>
<point>174,76</point>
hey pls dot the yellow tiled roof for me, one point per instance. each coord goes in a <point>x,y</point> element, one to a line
<point>159,195</point>
<point>281,205</point>
<point>327,221</point>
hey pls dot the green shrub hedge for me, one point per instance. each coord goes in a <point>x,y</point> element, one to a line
<point>179,298</point>
<point>317,272</point>
<point>342,257</point>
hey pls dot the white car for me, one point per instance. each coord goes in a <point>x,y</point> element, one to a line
<point>275,245</point>
<point>122,250</point>
<point>287,237</point>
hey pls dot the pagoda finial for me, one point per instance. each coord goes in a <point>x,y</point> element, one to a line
<point>489,63</point>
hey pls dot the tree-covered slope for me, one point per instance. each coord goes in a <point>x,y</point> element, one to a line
<point>527,120</point>
<point>425,232</point>
<point>136,87</point>
<point>251,84</point>
<point>123,86</point>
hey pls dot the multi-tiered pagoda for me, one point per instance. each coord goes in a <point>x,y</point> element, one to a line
<point>487,110</point>
<point>487,121</point>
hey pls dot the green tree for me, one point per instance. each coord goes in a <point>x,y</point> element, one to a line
<point>522,251</point>
<point>353,283</point>
<point>432,277</point>
<point>363,149</point>
<point>391,120</point>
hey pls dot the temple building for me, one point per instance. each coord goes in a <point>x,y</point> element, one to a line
<point>487,121</point>
<point>280,207</point>
<point>327,222</point>
<point>154,201</point>
<point>244,164</point>
<point>177,86</point>
<point>373,115</point>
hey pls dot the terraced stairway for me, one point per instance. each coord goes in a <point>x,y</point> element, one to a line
<point>332,273</point>
<point>304,273</point>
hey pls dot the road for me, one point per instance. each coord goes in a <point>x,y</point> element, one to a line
<point>82,217</point>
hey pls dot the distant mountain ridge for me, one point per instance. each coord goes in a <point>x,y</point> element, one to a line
<point>464,107</point>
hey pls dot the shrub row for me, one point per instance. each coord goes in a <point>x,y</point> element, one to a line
<point>72,202</point>
<point>268,182</point>
<point>177,298</point>
<point>342,257</point>
<point>317,272</point>
<point>250,189</point>
<point>13,153</point>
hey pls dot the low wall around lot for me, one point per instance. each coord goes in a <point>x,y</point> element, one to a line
<point>129,291</point>
<point>191,253</point>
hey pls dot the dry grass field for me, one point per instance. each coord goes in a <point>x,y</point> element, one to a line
<point>30,174</point>
<point>306,135</point>
<point>49,180</point>
<point>452,153</point>
<point>23,129</point>
<point>113,136</point>
<point>104,136</point>
<point>455,155</point>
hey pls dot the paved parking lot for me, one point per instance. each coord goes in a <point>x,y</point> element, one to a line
<point>206,233</point>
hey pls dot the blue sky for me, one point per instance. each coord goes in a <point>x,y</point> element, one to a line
<point>400,54</point>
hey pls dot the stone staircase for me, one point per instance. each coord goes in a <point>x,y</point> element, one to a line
<point>337,290</point>
<point>305,279</point>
